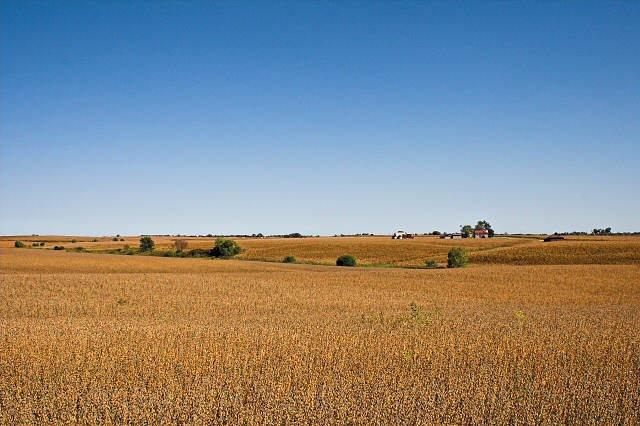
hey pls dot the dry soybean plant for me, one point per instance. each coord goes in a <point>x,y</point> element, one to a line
<point>129,340</point>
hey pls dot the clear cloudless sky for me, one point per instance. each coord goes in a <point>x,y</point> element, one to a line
<point>319,117</point>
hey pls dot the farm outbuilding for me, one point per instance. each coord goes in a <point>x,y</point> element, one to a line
<point>480,233</point>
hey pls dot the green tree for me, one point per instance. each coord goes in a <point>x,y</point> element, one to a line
<point>346,260</point>
<point>483,225</point>
<point>457,258</point>
<point>466,231</point>
<point>225,247</point>
<point>19,244</point>
<point>289,259</point>
<point>146,244</point>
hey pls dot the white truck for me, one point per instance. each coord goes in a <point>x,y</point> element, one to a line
<point>401,235</point>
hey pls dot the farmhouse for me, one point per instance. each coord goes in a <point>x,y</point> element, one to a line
<point>455,236</point>
<point>480,233</point>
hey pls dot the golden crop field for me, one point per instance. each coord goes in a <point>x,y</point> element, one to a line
<point>552,338</point>
<point>414,252</point>
<point>383,251</point>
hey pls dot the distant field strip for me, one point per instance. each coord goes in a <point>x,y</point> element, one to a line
<point>383,251</point>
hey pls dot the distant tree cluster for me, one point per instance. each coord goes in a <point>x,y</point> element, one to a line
<point>606,231</point>
<point>596,231</point>
<point>484,225</point>
<point>224,248</point>
<point>467,231</point>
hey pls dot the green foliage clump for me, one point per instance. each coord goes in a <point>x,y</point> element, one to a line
<point>58,247</point>
<point>431,264</point>
<point>74,241</point>
<point>418,315</point>
<point>225,248</point>
<point>146,244</point>
<point>19,244</point>
<point>457,258</point>
<point>289,259</point>
<point>198,252</point>
<point>466,231</point>
<point>346,260</point>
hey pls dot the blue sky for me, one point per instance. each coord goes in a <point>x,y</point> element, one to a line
<point>194,117</point>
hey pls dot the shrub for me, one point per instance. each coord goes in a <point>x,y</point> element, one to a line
<point>74,241</point>
<point>226,248</point>
<point>58,247</point>
<point>431,264</point>
<point>198,252</point>
<point>346,260</point>
<point>146,244</point>
<point>289,259</point>
<point>19,244</point>
<point>457,258</point>
<point>181,245</point>
<point>42,244</point>
<point>114,239</point>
